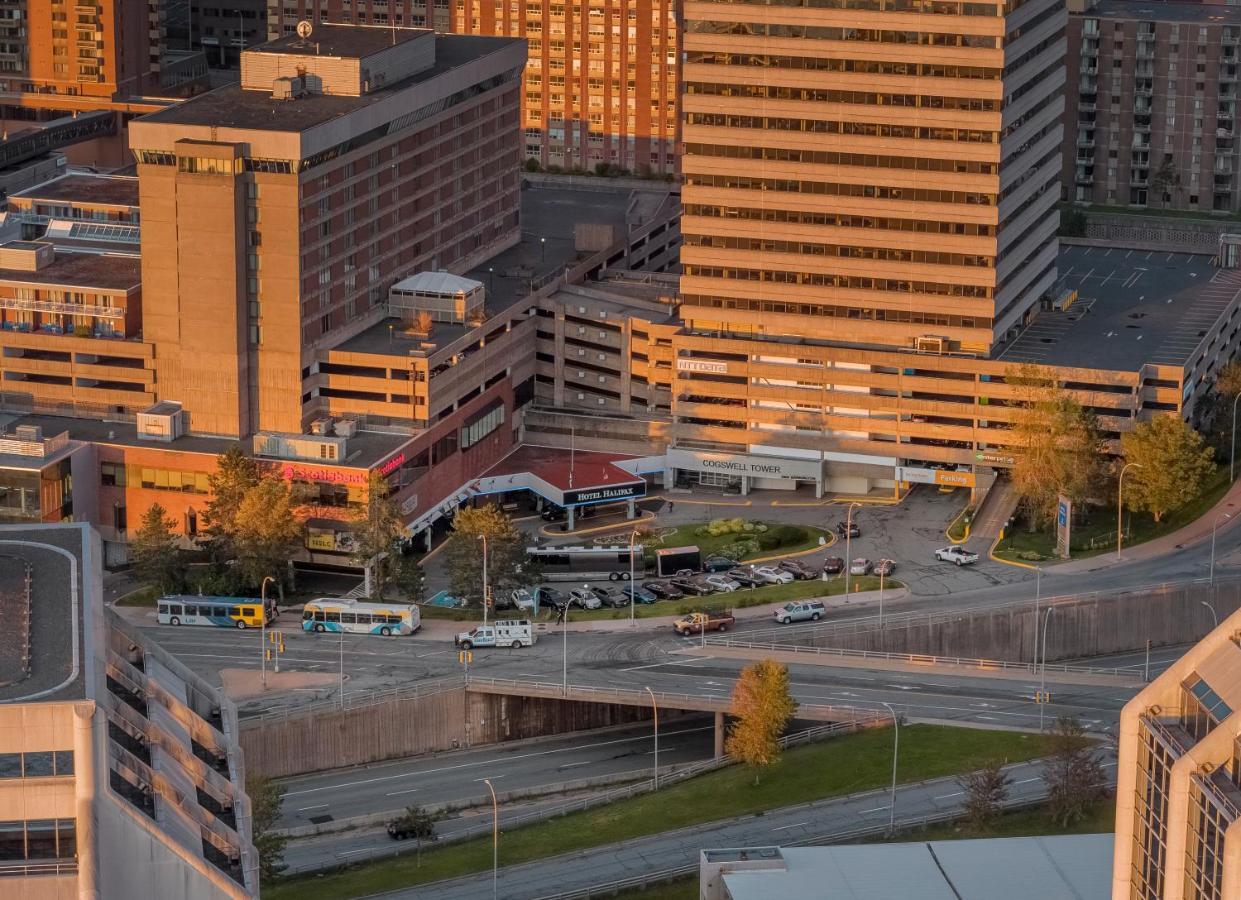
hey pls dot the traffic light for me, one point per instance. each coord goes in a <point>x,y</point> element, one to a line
<point>1042,696</point>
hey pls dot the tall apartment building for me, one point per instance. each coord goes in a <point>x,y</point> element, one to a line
<point>1151,111</point>
<point>1178,793</point>
<point>277,212</point>
<point>601,82</point>
<point>120,771</point>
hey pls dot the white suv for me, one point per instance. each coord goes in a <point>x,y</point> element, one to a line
<point>800,611</point>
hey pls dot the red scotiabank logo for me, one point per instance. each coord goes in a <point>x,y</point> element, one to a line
<point>328,475</point>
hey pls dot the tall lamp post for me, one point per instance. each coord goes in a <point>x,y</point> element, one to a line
<point>1042,684</point>
<point>1038,599</point>
<point>263,648</point>
<point>633,591</point>
<point>495,841</point>
<point>1214,614</point>
<point>486,588</point>
<point>655,712</point>
<point>1120,501</point>
<point>896,748</point>
<point>849,546</point>
<point>1214,526</point>
<point>1232,457</point>
<point>564,638</point>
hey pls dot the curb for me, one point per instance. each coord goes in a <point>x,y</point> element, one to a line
<point>643,518</point>
<point>954,521</point>
<point>1007,562</point>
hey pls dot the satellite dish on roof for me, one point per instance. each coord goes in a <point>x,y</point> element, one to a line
<point>304,29</point>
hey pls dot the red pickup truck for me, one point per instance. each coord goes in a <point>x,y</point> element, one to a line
<point>696,623</point>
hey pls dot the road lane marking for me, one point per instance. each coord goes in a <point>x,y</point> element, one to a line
<point>876,809</point>
<point>572,765</point>
<point>678,662</point>
<point>957,794</point>
<point>397,793</point>
<point>320,806</point>
<point>794,825</point>
<point>492,777</point>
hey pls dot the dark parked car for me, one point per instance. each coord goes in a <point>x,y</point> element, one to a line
<point>664,590</point>
<point>848,529</point>
<point>798,570</point>
<point>833,565</point>
<point>614,597</point>
<point>745,577</point>
<point>692,585</point>
<point>558,514</point>
<point>552,597</point>
<point>640,594</point>
<point>718,564</point>
<point>884,567</point>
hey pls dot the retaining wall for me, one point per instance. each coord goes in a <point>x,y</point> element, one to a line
<point>1089,625</point>
<point>327,738</point>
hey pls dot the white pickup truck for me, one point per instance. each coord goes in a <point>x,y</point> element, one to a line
<point>515,633</point>
<point>958,555</point>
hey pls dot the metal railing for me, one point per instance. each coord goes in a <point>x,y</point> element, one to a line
<point>920,658</point>
<point>353,700</point>
<point>25,870</point>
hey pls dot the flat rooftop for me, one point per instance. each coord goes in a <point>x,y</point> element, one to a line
<point>546,248</point>
<point>1134,307</point>
<point>232,107</point>
<point>1148,11</point>
<point>1029,868</point>
<point>46,627</point>
<point>89,190</point>
<point>589,469</point>
<point>345,41</point>
<point>363,450</point>
<point>112,272</point>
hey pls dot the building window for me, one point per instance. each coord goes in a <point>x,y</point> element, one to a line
<point>482,425</point>
<point>38,839</point>
<point>36,764</point>
<point>1150,836</point>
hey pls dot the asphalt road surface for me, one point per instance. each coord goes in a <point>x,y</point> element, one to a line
<point>840,817</point>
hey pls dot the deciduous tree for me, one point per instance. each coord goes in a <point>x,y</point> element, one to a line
<point>1074,772</point>
<point>266,533</point>
<point>1175,465</point>
<point>508,566</point>
<point>155,553</point>
<point>985,792</point>
<point>763,706</point>
<point>419,824</point>
<point>1057,442</point>
<point>376,529</point>
<point>265,795</point>
<point>236,475</point>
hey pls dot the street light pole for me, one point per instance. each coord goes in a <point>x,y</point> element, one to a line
<point>1038,599</point>
<point>1214,615</point>
<point>1042,684</point>
<point>896,748</point>
<point>484,540</point>
<point>655,712</point>
<point>1214,526</point>
<point>263,648</point>
<point>849,546</point>
<point>564,637</point>
<point>1232,458</point>
<point>1120,502</point>
<point>632,590</point>
<point>495,840</point>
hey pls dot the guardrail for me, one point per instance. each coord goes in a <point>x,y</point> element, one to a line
<point>920,658</point>
<point>484,826</point>
<point>355,700</point>
<point>632,697</point>
<point>24,870</point>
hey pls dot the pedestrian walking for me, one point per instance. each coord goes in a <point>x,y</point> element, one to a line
<point>671,506</point>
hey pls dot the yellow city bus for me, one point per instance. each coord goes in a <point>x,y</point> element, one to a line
<point>223,612</point>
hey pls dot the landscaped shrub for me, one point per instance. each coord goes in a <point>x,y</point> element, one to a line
<point>788,535</point>
<point>739,549</point>
<point>768,541</point>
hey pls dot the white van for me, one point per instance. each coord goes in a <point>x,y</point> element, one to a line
<point>515,633</point>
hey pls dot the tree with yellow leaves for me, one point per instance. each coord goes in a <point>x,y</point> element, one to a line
<point>763,706</point>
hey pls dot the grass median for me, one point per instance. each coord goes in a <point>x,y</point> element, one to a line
<point>845,765</point>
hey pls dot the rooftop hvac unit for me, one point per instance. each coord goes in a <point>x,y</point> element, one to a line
<point>930,343</point>
<point>32,433</point>
<point>346,428</point>
<point>321,426</point>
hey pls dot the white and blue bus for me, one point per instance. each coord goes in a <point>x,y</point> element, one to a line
<point>358,617</point>
<point>223,612</point>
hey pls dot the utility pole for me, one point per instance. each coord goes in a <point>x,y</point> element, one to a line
<point>1120,502</point>
<point>486,587</point>
<point>263,642</point>
<point>849,546</point>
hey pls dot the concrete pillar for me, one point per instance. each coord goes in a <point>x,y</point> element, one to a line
<point>670,478</point>
<point>631,511</point>
<point>85,764</point>
<point>570,519</point>
<point>719,735</point>
<point>745,485</point>
<point>427,535</point>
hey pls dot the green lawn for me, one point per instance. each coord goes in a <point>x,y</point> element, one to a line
<point>685,536</point>
<point>142,597</point>
<point>845,765</point>
<point>1098,534</point>
<point>742,599</point>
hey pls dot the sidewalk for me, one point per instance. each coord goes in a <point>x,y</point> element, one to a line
<point>1195,532</point>
<point>840,818</point>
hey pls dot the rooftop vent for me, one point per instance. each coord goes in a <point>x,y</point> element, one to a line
<point>288,87</point>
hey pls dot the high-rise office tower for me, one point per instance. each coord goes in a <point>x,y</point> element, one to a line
<point>1178,778</point>
<point>600,85</point>
<point>871,172</point>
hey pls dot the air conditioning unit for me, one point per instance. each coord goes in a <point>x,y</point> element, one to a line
<point>346,428</point>
<point>321,426</point>
<point>930,343</point>
<point>322,449</point>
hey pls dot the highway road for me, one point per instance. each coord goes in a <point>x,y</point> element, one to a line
<point>458,776</point>
<point>839,818</point>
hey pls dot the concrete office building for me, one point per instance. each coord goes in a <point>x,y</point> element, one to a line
<point>120,775</point>
<point>277,212</point>
<point>1178,793</point>
<point>601,83</point>
<point>1150,117</point>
